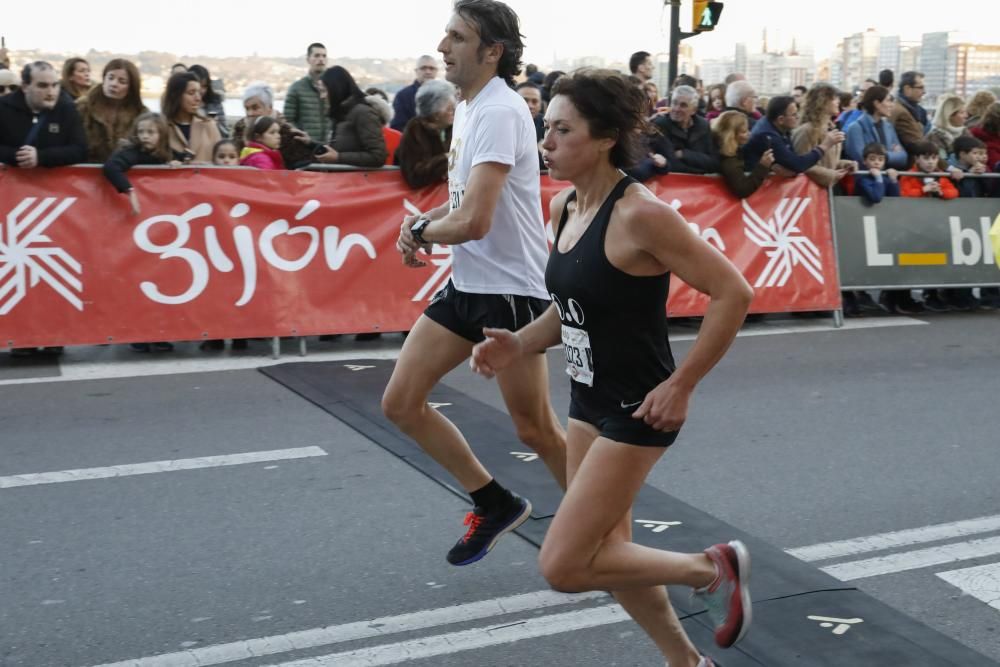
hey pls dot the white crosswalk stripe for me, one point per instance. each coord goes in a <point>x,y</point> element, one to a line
<point>389,625</point>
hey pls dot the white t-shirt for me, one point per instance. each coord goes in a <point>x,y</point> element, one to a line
<point>510,259</point>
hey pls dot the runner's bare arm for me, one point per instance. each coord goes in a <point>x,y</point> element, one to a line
<point>471,221</point>
<point>663,233</point>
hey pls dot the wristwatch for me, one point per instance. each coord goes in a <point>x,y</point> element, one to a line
<point>417,230</point>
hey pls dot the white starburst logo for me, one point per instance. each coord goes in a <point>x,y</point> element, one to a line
<point>27,255</point>
<point>440,257</point>
<point>784,243</point>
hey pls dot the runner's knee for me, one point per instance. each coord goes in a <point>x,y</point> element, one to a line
<point>539,434</point>
<point>562,573</point>
<point>398,408</point>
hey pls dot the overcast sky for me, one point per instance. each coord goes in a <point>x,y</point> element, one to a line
<point>406,28</point>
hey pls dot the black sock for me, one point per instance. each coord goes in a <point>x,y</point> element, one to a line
<point>491,497</point>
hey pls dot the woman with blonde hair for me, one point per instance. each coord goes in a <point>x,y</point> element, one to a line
<point>732,131</point>
<point>821,107</point>
<point>977,107</point>
<point>949,124</point>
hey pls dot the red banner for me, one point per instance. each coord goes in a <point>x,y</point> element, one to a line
<point>237,253</point>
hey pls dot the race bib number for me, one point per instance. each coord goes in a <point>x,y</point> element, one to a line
<point>579,356</point>
<point>455,194</point>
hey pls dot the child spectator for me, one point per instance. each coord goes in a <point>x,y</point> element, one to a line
<point>263,141</point>
<point>925,161</point>
<point>926,156</point>
<point>225,154</point>
<point>873,187</point>
<point>970,156</point>
<point>147,143</point>
<point>877,184</point>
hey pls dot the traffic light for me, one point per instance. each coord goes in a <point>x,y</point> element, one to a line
<point>706,15</point>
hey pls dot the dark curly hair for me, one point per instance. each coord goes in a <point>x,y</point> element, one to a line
<point>614,109</point>
<point>497,24</point>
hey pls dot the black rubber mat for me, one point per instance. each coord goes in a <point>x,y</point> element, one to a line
<point>352,392</point>
<point>802,616</point>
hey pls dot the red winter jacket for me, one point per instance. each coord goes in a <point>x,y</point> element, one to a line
<point>260,156</point>
<point>992,142</point>
<point>913,186</point>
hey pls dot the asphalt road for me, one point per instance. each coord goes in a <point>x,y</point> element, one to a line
<point>800,438</point>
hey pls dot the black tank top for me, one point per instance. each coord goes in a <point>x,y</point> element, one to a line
<point>614,325</point>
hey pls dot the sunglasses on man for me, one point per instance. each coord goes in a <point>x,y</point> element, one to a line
<point>8,89</point>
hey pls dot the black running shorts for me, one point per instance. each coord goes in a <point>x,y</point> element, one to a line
<point>618,424</point>
<point>466,313</point>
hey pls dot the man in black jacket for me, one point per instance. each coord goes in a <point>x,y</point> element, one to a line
<point>404,104</point>
<point>692,147</point>
<point>38,126</point>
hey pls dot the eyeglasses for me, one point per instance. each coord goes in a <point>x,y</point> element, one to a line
<point>920,87</point>
<point>8,89</point>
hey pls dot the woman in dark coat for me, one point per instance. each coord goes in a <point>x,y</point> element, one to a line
<point>357,134</point>
<point>423,151</point>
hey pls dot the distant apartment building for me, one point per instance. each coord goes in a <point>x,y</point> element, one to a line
<point>888,53</point>
<point>936,61</point>
<point>778,73</point>
<point>716,71</point>
<point>909,57</point>
<point>685,65</point>
<point>740,64</point>
<point>974,67</point>
<point>860,58</point>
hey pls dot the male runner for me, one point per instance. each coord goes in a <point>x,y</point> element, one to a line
<point>493,221</point>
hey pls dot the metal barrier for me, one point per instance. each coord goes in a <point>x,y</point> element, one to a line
<point>911,243</point>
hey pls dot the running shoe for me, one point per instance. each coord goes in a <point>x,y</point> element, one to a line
<point>728,597</point>
<point>486,528</point>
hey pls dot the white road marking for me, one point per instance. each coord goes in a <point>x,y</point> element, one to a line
<point>912,560</point>
<point>102,363</point>
<point>377,627</point>
<point>31,479</point>
<point>174,363</point>
<point>899,538</point>
<point>769,329</point>
<point>467,640</point>
<point>981,582</point>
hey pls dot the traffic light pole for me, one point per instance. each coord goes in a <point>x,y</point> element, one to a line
<point>676,35</point>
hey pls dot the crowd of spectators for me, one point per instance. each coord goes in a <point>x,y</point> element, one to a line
<point>50,118</point>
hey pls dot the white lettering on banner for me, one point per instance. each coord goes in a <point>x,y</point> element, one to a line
<point>872,256</point>
<point>335,249</point>
<point>977,244</point>
<point>27,256</point>
<point>783,241</point>
<point>969,246</point>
